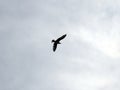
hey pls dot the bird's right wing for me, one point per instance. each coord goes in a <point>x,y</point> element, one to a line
<point>54,46</point>
<point>62,37</point>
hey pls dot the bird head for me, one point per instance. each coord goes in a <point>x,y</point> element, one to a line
<point>52,41</point>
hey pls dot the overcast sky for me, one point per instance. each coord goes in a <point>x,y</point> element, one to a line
<point>87,59</point>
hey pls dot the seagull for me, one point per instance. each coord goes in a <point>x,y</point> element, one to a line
<point>56,42</point>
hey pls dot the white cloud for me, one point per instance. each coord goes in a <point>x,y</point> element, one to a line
<point>91,46</point>
<point>101,34</point>
<point>85,81</point>
<point>106,43</point>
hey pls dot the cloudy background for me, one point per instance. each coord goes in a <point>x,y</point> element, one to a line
<point>87,59</point>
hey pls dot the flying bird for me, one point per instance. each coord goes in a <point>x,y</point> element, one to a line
<point>56,42</point>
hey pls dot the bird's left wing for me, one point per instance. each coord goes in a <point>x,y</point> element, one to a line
<point>62,37</point>
<point>54,46</point>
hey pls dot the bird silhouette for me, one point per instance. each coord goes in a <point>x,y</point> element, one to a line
<point>56,42</point>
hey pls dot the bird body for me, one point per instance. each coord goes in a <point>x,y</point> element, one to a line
<point>56,42</point>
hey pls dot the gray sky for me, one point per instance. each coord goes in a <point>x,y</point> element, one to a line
<point>87,59</point>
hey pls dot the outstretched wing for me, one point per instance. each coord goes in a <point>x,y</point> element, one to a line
<point>62,37</point>
<point>54,46</point>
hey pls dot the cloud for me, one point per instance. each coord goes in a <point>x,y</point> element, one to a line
<point>106,43</point>
<point>85,81</point>
<point>87,58</point>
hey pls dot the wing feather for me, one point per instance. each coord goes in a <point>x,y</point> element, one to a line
<point>54,46</point>
<point>62,37</point>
